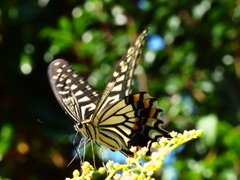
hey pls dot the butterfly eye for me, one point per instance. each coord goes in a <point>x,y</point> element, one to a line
<point>78,126</point>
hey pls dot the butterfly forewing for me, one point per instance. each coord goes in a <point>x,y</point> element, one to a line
<point>75,96</point>
<point>120,82</point>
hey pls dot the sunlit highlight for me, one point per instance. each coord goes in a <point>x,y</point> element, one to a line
<point>119,17</point>
<point>228,60</point>
<point>150,57</point>
<point>200,9</point>
<point>23,148</point>
<point>87,37</point>
<point>43,3</point>
<point>26,68</point>
<point>76,12</point>
<point>29,48</point>
<point>89,6</point>
<point>48,57</point>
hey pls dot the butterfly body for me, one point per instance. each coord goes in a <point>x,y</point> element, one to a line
<point>117,119</point>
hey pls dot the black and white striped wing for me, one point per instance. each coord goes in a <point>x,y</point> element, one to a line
<point>76,97</point>
<point>120,82</point>
<point>132,121</point>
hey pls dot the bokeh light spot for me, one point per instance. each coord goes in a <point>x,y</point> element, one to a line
<point>87,37</point>
<point>23,148</point>
<point>156,42</point>
<point>26,68</point>
<point>228,59</point>
<point>76,12</point>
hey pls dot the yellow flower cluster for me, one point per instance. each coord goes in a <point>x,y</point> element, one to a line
<point>133,169</point>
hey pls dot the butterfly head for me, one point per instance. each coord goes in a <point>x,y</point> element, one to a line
<point>86,128</point>
<point>78,126</point>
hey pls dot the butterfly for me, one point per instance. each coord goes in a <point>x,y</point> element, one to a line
<point>117,118</point>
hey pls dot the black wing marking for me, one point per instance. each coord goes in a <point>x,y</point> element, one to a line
<point>75,96</point>
<point>132,121</point>
<point>120,83</point>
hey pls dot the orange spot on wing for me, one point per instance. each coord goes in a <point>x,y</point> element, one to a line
<point>152,112</point>
<point>136,97</point>
<point>137,119</point>
<point>146,104</point>
<point>135,126</point>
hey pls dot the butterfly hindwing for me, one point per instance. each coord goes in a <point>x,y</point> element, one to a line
<point>75,95</point>
<point>132,121</point>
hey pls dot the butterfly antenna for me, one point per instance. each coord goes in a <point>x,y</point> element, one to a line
<point>52,122</point>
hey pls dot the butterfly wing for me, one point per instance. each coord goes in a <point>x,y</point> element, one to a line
<point>119,119</point>
<point>73,93</point>
<point>120,83</point>
<point>132,121</point>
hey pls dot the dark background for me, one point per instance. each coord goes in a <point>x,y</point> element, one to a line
<point>194,74</point>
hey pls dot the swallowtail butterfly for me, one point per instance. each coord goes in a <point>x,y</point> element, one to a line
<point>116,119</point>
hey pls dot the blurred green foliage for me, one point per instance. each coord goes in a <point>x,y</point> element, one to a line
<point>196,78</point>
